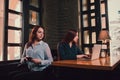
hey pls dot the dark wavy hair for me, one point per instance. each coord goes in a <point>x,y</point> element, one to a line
<point>33,35</point>
<point>70,35</point>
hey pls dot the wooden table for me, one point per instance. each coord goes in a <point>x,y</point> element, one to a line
<point>108,63</point>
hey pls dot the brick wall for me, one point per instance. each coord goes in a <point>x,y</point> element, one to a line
<point>58,17</point>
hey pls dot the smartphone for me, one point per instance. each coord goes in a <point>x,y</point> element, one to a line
<point>29,58</point>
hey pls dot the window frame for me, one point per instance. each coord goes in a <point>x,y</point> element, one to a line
<point>98,21</point>
<point>26,7</point>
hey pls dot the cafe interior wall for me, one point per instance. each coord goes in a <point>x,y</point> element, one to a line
<point>114,26</point>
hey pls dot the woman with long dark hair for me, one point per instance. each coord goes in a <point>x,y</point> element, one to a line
<point>68,48</point>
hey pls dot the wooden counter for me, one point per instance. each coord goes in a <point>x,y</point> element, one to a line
<point>108,63</point>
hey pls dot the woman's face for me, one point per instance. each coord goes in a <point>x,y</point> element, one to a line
<point>40,34</point>
<point>76,38</point>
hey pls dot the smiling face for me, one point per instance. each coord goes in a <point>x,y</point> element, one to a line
<point>40,34</point>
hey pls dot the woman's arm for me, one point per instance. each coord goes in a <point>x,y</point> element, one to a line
<point>48,57</point>
<point>79,51</point>
<point>64,52</point>
<point>23,55</point>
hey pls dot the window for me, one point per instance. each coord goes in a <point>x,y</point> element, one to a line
<point>12,30</point>
<point>1,28</point>
<point>93,18</point>
<point>33,18</point>
<point>16,22</point>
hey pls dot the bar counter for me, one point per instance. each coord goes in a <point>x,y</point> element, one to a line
<point>108,63</point>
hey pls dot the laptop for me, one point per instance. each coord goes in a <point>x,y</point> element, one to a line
<point>95,53</point>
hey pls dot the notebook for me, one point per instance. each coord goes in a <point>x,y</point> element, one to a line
<point>95,53</point>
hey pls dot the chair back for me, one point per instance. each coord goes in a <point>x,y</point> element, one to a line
<point>58,54</point>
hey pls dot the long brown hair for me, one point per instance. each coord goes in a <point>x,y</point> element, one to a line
<point>70,35</point>
<point>33,35</point>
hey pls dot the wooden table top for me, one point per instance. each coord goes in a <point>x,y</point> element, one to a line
<point>108,63</point>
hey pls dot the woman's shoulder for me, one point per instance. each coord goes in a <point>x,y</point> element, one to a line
<point>44,43</point>
<point>62,44</point>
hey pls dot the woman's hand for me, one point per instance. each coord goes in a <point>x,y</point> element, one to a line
<point>37,61</point>
<point>25,59</point>
<point>82,55</point>
<point>29,58</point>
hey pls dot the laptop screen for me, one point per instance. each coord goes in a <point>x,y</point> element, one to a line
<point>96,51</point>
